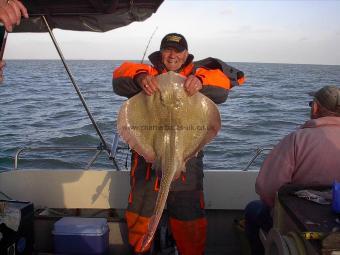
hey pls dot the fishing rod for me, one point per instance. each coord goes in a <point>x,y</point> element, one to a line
<point>103,145</point>
<point>147,46</point>
<point>3,39</point>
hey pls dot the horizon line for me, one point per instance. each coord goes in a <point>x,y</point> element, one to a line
<point>138,60</point>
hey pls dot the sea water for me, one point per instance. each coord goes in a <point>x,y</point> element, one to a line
<point>40,108</point>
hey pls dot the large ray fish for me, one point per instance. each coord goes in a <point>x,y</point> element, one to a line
<point>167,129</point>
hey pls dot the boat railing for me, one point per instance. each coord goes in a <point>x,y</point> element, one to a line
<point>98,150</point>
<point>43,149</point>
<point>256,154</point>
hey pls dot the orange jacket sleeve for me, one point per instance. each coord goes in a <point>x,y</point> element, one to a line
<point>214,77</point>
<point>130,69</point>
<point>123,78</point>
<point>212,65</point>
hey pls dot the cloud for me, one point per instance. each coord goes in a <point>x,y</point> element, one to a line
<point>303,39</point>
<point>227,12</point>
<point>247,30</point>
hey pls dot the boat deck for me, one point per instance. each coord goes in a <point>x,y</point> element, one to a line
<point>222,237</point>
<point>99,191</point>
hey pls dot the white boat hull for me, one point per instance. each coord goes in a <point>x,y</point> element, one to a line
<point>230,189</point>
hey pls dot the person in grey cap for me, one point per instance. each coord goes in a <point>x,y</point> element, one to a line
<point>185,202</point>
<point>307,156</point>
<point>327,102</point>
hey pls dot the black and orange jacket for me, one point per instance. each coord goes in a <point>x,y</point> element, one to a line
<point>217,77</point>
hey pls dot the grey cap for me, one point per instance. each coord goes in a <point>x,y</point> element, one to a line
<point>329,97</point>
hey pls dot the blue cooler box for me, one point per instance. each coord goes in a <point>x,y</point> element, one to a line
<point>73,235</point>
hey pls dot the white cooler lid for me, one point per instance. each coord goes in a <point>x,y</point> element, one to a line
<point>82,226</point>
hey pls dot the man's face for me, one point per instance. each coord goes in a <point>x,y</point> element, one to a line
<point>173,59</point>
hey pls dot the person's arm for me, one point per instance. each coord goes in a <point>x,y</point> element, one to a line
<point>10,15</point>
<point>127,78</point>
<point>217,78</point>
<point>277,170</point>
<point>11,12</point>
<point>215,84</point>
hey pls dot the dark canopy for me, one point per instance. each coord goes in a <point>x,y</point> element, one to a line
<point>85,15</point>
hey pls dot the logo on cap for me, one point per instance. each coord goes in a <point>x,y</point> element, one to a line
<point>173,38</point>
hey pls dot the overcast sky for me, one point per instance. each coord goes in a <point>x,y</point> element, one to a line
<point>303,32</point>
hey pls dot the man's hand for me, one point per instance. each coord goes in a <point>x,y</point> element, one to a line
<point>192,85</point>
<point>147,82</point>
<point>11,12</point>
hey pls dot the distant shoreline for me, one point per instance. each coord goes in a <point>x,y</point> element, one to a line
<point>138,60</point>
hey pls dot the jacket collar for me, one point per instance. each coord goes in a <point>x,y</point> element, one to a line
<point>323,121</point>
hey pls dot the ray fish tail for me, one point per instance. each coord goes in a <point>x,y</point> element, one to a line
<point>170,164</point>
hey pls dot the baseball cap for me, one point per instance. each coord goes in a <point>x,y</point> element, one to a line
<point>328,97</point>
<point>174,40</point>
